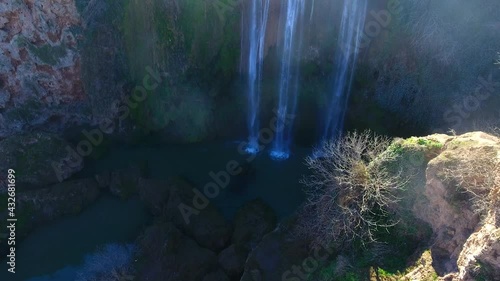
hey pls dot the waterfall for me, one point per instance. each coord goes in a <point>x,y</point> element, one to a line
<point>288,82</point>
<point>351,28</point>
<point>259,12</point>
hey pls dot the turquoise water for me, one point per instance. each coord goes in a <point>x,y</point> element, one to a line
<point>56,252</point>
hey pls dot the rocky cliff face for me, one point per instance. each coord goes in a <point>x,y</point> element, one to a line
<point>457,196</point>
<point>458,203</point>
<point>74,63</point>
<point>65,64</point>
<point>40,66</point>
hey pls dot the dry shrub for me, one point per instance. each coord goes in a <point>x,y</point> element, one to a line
<point>351,195</point>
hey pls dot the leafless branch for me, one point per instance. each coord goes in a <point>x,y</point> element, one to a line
<point>350,193</point>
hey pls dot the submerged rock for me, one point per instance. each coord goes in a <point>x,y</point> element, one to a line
<point>165,253</point>
<point>276,255</point>
<point>123,183</point>
<point>206,225</point>
<point>172,200</point>
<point>251,223</point>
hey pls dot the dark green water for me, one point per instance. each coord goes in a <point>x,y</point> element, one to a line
<point>56,251</point>
<point>276,182</point>
<point>62,245</point>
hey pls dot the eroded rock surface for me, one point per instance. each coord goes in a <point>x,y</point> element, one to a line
<point>40,68</point>
<point>465,236</point>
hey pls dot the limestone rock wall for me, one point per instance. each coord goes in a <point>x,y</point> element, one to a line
<point>40,66</point>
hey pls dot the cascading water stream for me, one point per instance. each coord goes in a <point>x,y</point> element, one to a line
<point>353,20</point>
<point>259,12</point>
<point>288,85</point>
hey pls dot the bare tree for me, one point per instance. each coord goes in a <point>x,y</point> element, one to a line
<point>351,193</point>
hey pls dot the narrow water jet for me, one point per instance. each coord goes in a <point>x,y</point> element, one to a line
<point>255,42</point>
<point>350,33</point>
<point>289,78</point>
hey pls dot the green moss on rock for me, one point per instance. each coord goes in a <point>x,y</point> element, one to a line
<point>31,155</point>
<point>47,53</point>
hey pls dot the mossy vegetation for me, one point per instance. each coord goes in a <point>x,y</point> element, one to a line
<point>197,54</point>
<point>427,274</point>
<point>30,155</point>
<point>483,272</point>
<point>26,113</point>
<point>425,146</point>
<point>47,54</point>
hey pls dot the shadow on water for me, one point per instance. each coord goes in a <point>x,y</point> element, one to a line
<point>57,251</point>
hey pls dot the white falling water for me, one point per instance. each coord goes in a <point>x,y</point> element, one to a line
<point>259,12</point>
<point>352,24</point>
<point>288,85</point>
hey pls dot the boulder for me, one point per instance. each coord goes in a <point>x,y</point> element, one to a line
<point>165,253</point>
<point>232,261</point>
<point>251,223</point>
<point>276,255</point>
<point>170,199</point>
<point>39,159</point>
<point>124,182</point>
<point>206,225</point>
